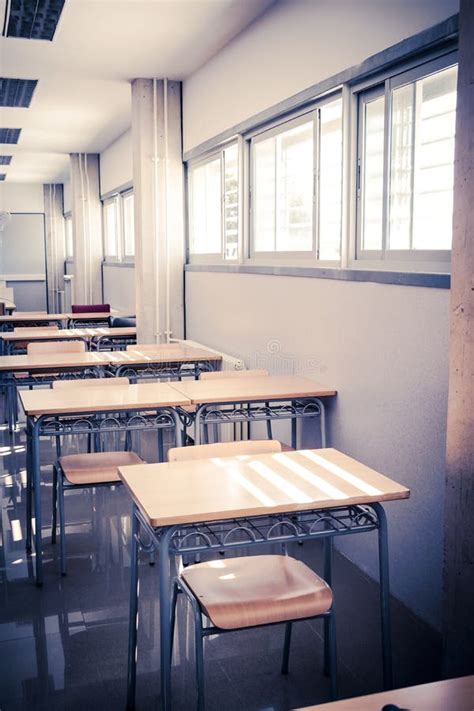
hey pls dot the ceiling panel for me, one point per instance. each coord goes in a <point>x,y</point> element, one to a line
<point>16,93</point>
<point>34,19</point>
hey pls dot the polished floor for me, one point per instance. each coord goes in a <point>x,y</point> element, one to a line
<point>64,646</point>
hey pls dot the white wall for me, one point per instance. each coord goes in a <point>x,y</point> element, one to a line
<point>384,348</point>
<point>116,167</point>
<point>21,197</point>
<point>119,288</point>
<point>295,44</point>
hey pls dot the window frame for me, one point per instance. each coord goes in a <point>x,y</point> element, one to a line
<point>408,260</point>
<point>121,257</point>
<point>125,257</point>
<point>191,166</point>
<point>296,257</point>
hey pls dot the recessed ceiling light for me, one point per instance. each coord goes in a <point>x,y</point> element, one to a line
<point>9,135</point>
<point>33,19</point>
<point>5,160</point>
<point>16,92</point>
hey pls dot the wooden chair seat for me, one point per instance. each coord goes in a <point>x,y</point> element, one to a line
<point>96,467</point>
<point>257,590</point>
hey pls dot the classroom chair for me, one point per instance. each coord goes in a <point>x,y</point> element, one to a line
<point>251,591</point>
<point>81,471</point>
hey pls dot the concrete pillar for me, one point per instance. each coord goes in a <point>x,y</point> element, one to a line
<point>55,244</point>
<point>86,228</point>
<point>159,209</point>
<point>458,578</point>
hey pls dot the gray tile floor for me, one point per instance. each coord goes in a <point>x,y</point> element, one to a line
<point>64,646</point>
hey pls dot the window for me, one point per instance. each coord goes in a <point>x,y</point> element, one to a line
<point>69,244</point>
<point>111,229</point>
<point>406,165</point>
<point>296,186</point>
<point>128,225</point>
<point>119,227</point>
<point>213,189</point>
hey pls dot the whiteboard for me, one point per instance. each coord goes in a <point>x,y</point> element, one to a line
<point>22,245</point>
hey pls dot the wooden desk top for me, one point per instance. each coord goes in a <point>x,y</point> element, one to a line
<point>32,316</point>
<point>32,334</point>
<point>97,398</point>
<point>180,354</point>
<point>222,488</point>
<point>448,695</point>
<point>44,316</point>
<point>264,387</point>
<point>52,361</point>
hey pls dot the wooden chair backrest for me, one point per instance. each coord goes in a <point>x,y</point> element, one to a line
<point>55,347</point>
<point>224,449</point>
<point>222,374</point>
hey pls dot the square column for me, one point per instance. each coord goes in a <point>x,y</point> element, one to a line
<point>55,246</point>
<point>159,209</point>
<point>86,228</point>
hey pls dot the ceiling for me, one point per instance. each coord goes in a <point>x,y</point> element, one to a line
<point>82,100</point>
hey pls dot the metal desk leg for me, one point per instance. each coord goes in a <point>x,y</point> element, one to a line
<point>322,422</point>
<point>294,434</point>
<point>197,425</point>
<point>29,487</point>
<point>36,478</point>
<point>133,615</point>
<point>384,597</point>
<point>327,620</point>
<point>165,619</point>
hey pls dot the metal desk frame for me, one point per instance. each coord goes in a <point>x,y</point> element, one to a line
<point>67,424</point>
<point>314,524</point>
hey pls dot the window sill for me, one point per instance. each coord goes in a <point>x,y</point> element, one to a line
<point>111,263</point>
<point>430,280</point>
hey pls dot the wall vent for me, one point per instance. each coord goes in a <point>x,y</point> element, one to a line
<point>9,135</point>
<point>5,160</point>
<point>33,19</point>
<point>3,176</point>
<point>16,93</point>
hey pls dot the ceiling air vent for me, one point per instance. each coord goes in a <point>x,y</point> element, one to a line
<point>33,19</point>
<point>5,160</point>
<point>16,92</point>
<point>3,176</point>
<point>9,135</point>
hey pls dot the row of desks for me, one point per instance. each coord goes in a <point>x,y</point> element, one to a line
<point>92,337</point>
<point>8,322</point>
<point>211,505</point>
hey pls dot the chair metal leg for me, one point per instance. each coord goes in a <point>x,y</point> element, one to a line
<point>161,451</point>
<point>199,644</point>
<point>62,525</point>
<point>332,653</point>
<point>286,648</point>
<point>54,515</point>
<point>328,579</point>
<point>174,602</point>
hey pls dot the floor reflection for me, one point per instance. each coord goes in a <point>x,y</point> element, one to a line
<point>65,646</point>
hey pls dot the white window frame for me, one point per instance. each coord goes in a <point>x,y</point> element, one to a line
<point>409,260</point>
<point>308,257</point>
<point>68,253</point>
<point>121,257</point>
<point>127,258</point>
<point>214,257</point>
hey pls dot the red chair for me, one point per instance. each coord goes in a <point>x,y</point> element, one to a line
<point>90,308</point>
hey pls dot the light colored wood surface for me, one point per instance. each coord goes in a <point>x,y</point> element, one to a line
<point>264,387</point>
<point>50,361</point>
<point>43,316</point>
<point>223,449</point>
<point>90,383</point>
<point>37,347</point>
<point>179,354</point>
<point>32,316</point>
<point>220,374</point>
<point>146,396</point>
<point>38,333</point>
<point>448,695</point>
<point>257,590</point>
<point>221,488</point>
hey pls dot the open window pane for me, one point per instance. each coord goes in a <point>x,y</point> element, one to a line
<point>401,167</point>
<point>434,160</point>
<point>69,246</point>
<point>128,225</point>
<point>330,183</point>
<point>283,211</point>
<point>111,229</point>
<point>205,212</point>
<point>373,163</point>
<point>231,202</point>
